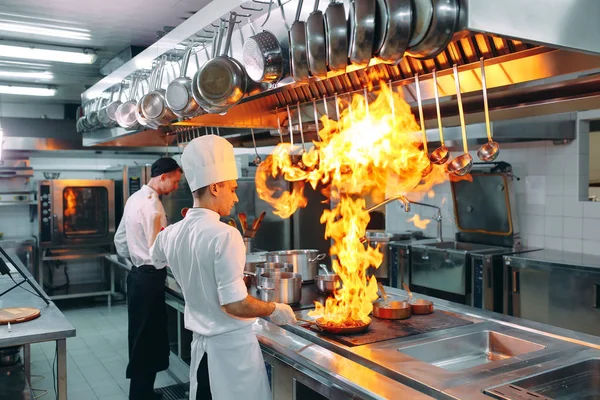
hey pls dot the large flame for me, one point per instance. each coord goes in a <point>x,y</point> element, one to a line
<point>369,151</point>
<point>70,199</point>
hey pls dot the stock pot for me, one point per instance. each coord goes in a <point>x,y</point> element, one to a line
<point>305,262</point>
<point>280,287</point>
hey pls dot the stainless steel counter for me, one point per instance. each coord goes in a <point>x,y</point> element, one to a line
<point>52,325</point>
<point>550,259</point>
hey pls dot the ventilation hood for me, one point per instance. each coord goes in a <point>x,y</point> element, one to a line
<point>542,58</point>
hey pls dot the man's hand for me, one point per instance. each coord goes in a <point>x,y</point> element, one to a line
<point>283,314</point>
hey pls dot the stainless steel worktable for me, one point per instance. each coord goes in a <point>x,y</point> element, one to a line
<point>52,325</point>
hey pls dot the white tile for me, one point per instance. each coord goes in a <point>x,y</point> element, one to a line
<point>591,229</point>
<point>553,243</point>
<point>554,206</point>
<point>591,210</point>
<point>533,225</point>
<point>556,165</point>
<point>536,164</point>
<point>573,245</point>
<point>572,207</point>
<point>573,228</point>
<point>554,227</point>
<point>571,185</point>
<point>591,247</point>
<point>555,186</point>
<point>534,241</point>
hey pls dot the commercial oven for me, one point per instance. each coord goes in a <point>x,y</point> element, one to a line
<point>76,212</point>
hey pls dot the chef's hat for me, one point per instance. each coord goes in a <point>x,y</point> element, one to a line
<point>208,159</point>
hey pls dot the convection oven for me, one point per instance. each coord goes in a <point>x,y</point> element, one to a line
<point>76,212</point>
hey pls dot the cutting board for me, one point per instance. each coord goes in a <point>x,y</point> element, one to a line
<point>16,315</point>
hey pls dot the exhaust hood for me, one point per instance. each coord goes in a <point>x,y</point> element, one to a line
<point>542,58</point>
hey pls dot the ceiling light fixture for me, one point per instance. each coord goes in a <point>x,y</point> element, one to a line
<point>34,75</point>
<point>48,53</point>
<point>27,90</point>
<point>30,65</point>
<point>77,34</point>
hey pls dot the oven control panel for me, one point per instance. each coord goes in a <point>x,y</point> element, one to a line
<point>45,214</point>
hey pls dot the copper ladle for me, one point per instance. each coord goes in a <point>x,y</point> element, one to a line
<point>462,164</point>
<point>440,155</point>
<point>429,167</point>
<point>490,150</point>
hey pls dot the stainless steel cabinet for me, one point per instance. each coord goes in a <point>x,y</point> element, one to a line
<point>445,271</point>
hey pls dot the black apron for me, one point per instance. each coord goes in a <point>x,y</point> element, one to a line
<point>147,318</point>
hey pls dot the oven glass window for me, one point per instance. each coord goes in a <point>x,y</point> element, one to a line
<point>85,212</point>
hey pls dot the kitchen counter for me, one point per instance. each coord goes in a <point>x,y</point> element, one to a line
<point>52,325</point>
<point>549,259</point>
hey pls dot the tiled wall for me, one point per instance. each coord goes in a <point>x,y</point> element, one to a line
<point>553,179</point>
<point>14,221</point>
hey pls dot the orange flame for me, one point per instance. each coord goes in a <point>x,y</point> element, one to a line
<point>71,200</point>
<point>418,222</point>
<point>368,151</point>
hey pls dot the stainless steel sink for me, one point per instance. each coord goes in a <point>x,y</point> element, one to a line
<point>462,246</point>
<point>468,351</point>
<point>576,382</point>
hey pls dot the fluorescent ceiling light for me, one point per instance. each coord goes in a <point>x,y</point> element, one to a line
<point>23,63</point>
<point>43,75</point>
<point>44,31</point>
<point>58,54</point>
<point>27,90</point>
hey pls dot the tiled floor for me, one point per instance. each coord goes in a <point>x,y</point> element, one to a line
<point>97,356</point>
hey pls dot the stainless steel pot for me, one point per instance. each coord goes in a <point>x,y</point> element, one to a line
<point>273,267</point>
<point>179,92</point>
<point>304,261</point>
<point>280,287</point>
<point>328,283</point>
<point>125,114</point>
<point>154,104</point>
<point>382,239</point>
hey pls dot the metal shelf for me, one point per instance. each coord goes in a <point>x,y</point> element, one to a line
<point>80,290</point>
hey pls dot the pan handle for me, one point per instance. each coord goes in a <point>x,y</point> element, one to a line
<point>317,258</point>
<point>260,287</point>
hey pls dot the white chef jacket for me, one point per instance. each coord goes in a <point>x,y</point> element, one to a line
<point>207,258</point>
<point>132,239</point>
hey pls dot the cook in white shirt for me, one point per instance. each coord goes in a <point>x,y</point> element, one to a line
<point>207,258</point>
<point>143,217</point>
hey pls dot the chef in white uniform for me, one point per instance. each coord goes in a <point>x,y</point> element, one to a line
<point>207,258</point>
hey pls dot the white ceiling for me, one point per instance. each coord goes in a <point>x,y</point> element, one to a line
<point>113,25</point>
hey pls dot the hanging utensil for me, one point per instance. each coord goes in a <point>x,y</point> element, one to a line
<point>316,117</point>
<point>154,104</point>
<point>139,115</point>
<point>111,109</point>
<point>462,164</point>
<point>361,25</point>
<point>316,48</point>
<point>196,78</point>
<point>435,29</point>
<point>392,105</point>
<point>440,155</point>
<point>179,92</point>
<point>125,114</point>
<point>257,159</point>
<point>279,127</point>
<point>336,37</point>
<point>290,128</point>
<point>301,129</point>
<point>394,20</point>
<point>490,150</point>
<point>426,171</point>
<point>103,113</point>
<point>297,39</point>
<point>263,56</point>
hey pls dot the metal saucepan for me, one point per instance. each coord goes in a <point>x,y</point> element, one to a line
<point>222,81</point>
<point>422,16</point>
<point>142,120</point>
<point>336,37</point>
<point>253,260</point>
<point>329,283</point>
<point>154,104</point>
<point>196,79</point>
<point>92,120</point>
<point>419,306</point>
<point>179,92</point>
<point>125,114</point>
<point>109,117</point>
<point>273,267</point>
<point>337,330</point>
<point>280,287</point>
<point>361,30</point>
<point>297,39</point>
<point>304,261</point>
<point>263,57</point>
<point>393,29</point>
<point>316,49</point>
<point>443,24</point>
<point>385,309</point>
<point>102,113</point>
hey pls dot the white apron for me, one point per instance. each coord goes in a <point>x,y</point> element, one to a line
<point>236,366</point>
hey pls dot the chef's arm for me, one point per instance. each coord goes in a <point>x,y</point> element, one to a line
<point>250,307</point>
<point>121,240</point>
<point>155,228</point>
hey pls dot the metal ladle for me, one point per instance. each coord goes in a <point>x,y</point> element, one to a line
<point>462,164</point>
<point>257,159</point>
<point>490,150</point>
<point>440,155</point>
<point>429,168</point>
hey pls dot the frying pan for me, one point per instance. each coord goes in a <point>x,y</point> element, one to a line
<point>263,57</point>
<point>419,306</point>
<point>385,309</point>
<point>125,114</point>
<point>443,25</point>
<point>138,107</point>
<point>154,104</point>
<point>179,92</point>
<point>394,20</point>
<point>298,58</point>
<point>103,114</point>
<point>111,109</point>
<point>422,15</point>
<point>336,37</point>
<point>337,330</point>
<point>222,81</point>
<point>316,49</point>
<point>361,31</point>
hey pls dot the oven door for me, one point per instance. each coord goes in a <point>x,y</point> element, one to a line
<point>83,212</point>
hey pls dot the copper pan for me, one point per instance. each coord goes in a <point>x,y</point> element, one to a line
<point>341,330</point>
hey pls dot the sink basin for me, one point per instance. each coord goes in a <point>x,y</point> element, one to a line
<point>462,246</point>
<point>468,351</point>
<point>575,382</point>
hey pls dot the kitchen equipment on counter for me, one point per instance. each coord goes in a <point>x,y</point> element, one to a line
<point>462,164</point>
<point>18,315</point>
<point>337,330</point>
<point>316,48</point>
<point>440,155</point>
<point>125,114</point>
<point>386,309</point>
<point>272,267</point>
<point>10,355</point>
<point>361,31</point>
<point>488,151</point>
<point>304,261</point>
<point>393,27</point>
<point>297,39</point>
<point>419,306</point>
<point>280,287</point>
<point>263,57</point>
<point>381,239</point>
<point>439,32</point>
<point>328,283</point>
<point>76,212</point>
<point>253,260</point>
<point>336,36</point>
<point>178,95</point>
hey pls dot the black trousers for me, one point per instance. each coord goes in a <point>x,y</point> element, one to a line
<point>203,392</point>
<point>141,386</point>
